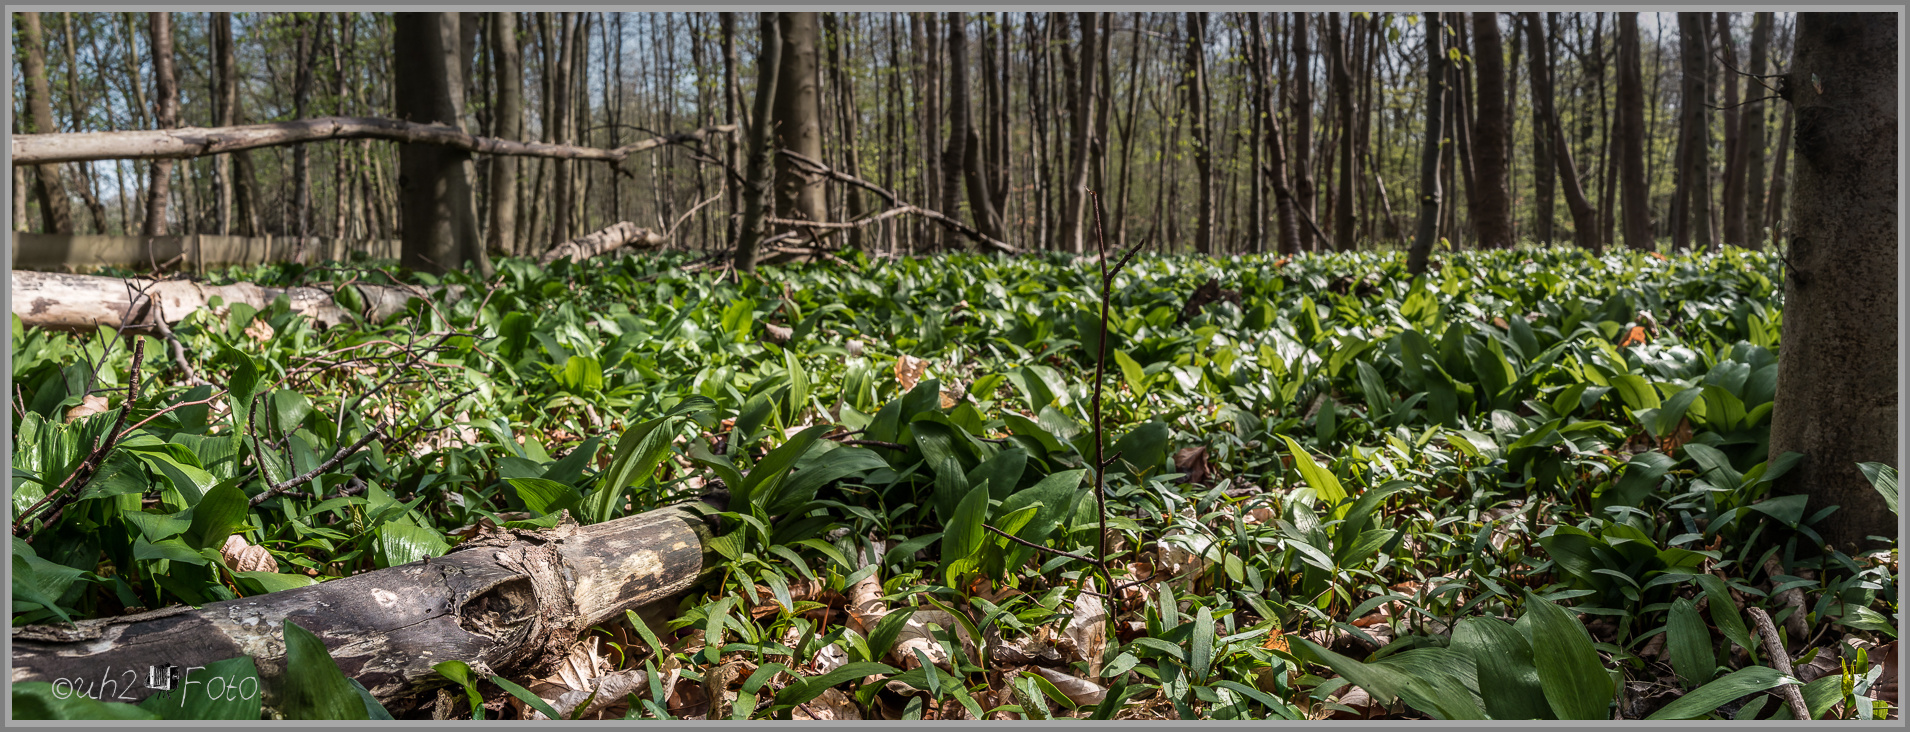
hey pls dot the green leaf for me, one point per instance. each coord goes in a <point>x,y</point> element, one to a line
<point>962,541</point>
<point>1689,642</point>
<point>259,583</point>
<point>460,672</point>
<point>1131,372</point>
<point>811,687</point>
<point>524,695</point>
<point>1505,667</point>
<point>38,700</point>
<point>800,487</point>
<point>1200,656</point>
<point>313,687</point>
<point>1570,672</point>
<point>1442,697</point>
<point>1883,478</point>
<point>1735,685</point>
<point>776,463</point>
<point>223,509</point>
<point>581,375</point>
<point>1141,450</point>
<point>882,638</point>
<point>373,708</point>
<point>639,451</point>
<point>1724,613</point>
<point>546,497</point>
<point>402,543</point>
<point>1323,482</point>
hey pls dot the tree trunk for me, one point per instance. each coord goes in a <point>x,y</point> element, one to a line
<point>1490,143</point>
<point>1429,193</point>
<point>509,602</point>
<point>88,186</point>
<point>440,230</point>
<point>798,118</point>
<point>1074,216</point>
<point>1544,169</point>
<point>1194,82</point>
<point>1694,179</point>
<point>225,101</point>
<point>1304,192</point>
<point>509,124</point>
<point>1734,150</point>
<point>1285,222</point>
<point>303,58</point>
<point>1635,189</point>
<point>1584,214</point>
<point>732,103</point>
<point>1752,135</point>
<point>1837,381</point>
<point>1342,81</point>
<point>756,182</point>
<point>1779,222</point>
<point>56,212</point>
<point>165,116</point>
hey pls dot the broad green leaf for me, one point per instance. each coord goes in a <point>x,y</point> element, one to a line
<point>811,687</point>
<point>962,540</point>
<point>778,462</point>
<point>1570,672</point>
<point>223,690</point>
<point>313,687</point>
<point>1200,656</point>
<point>1131,372</point>
<point>402,543</point>
<point>223,509</point>
<point>1689,642</point>
<point>524,695</point>
<point>39,700</point>
<point>1735,685</point>
<point>545,497</point>
<point>1508,676</point>
<point>1724,613</point>
<point>1884,479</point>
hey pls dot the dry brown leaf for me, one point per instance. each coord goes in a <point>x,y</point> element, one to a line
<point>1351,696</point>
<point>866,607</point>
<point>610,689</point>
<point>1193,464</point>
<point>89,405</point>
<point>915,636</point>
<point>1077,689</point>
<point>777,333</point>
<point>1088,629</point>
<point>242,556</point>
<point>259,330</point>
<point>831,705</point>
<point>909,370</point>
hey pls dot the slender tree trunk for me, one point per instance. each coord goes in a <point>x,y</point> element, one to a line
<point>1302,101</point>
<point>509,116</point>
<point>1429,193</point>
<point>87,184</point>
<point>955,149</point>
<point>1544,168</point>
<point>1194,82</point>
<point>1775,213</point>
<point>1752,134</point>
<point>1141,48</point>
<point>732,145</point>
<point>1075,217</point>
<point>1694,179</point>
<point>225,100</point>
<point>166,116</point>
<point>1286,224</point>
<point>1462,105</point>
<point>1635,189</point>
<point>1734,151</point>
<point>56,211</point>
<point>756,182</point>
<point>1837,385</point>
<point>1584,214</point>
<point>1342,81</point>
<point>303,60</point>
<point>439,227</point>
<point>1491,143</point>
<point>931,107</point>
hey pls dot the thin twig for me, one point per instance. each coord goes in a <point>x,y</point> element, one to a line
<point>69,489</point>
<point>1050,550</point>
<point>1747,101</point>
<point>1780,661</point>
<point>333,462</point>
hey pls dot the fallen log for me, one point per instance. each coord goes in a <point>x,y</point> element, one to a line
<point>603,241</point>
<point>509,602</point>
<point>73,302</point>
<point>191,142</point>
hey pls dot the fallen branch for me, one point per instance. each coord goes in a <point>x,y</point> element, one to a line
<point>82,302</point>
<point>191,142</point>
<point>603,241</point>
<point>896,205</point>
<point>1780,661</point>
<point>507,602</point>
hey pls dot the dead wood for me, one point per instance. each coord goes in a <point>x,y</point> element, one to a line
<point>82,302</point>
<point>506,602</point>
<point>603,241</point>
<point>192,142</point>
<point>1207,293</point>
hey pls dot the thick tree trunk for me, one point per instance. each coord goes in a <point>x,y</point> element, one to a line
<point>1752,136</point>
<point>798,117</point>
<point>756,184</point>
<point>1837,383</point>
<point>1635,190</point>
<point>1544,169</point>
<point>1429,193</point>
<point>509,124</point>
<point>505,602</point>
<point>56,212</point>
<point>1694,164</point>
<point>1194,79</point>
<point>440,230</point>
<point>72,302</point>
<point>1491,143</point>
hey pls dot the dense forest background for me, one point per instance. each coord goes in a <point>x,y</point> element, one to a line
<point>1214,132</point>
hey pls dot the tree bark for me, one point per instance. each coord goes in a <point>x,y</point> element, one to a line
<point>1302,115</point>
<point>1342,81</point>
<point>508,124</point>
<point>440,232</point>
<point>761,163</point>
<point>1429,193</point>
<point>798,117</point>
<point>1752,135</point>
<point>603,241</point>
<point>1694,165</point>
<point>303,59</point>
<point>165,115</point>
<point>1584,214</point>
<point>1734,149</point>
<point>56,211</point>
<point>1635,190</point>
<point>1780,181</point>
<point>1837,382</point>
<point>1194,83</point>
<point>506,602</point>
<point>1285,222</point>
<point>1074,217</point>
<point>1491,142</point>
<point>1544,168</point>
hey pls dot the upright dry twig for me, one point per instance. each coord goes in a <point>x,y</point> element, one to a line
<point>1780,661</point>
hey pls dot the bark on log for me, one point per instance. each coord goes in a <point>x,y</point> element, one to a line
<point>82,302</point>
<point>510,602</point>
<point>603,241</point>
<point>192,142</point>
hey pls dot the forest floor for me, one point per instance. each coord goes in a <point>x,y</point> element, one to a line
<point>1532,484</point>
